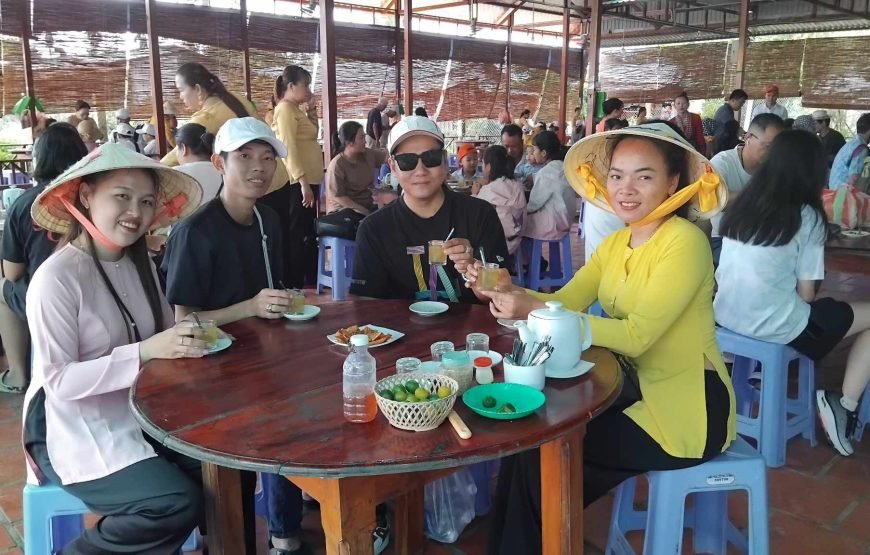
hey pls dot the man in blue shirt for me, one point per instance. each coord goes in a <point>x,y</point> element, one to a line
<point>849,162</point>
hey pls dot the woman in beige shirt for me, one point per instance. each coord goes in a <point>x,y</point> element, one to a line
<point>304,164</point>
<point>350,175</point>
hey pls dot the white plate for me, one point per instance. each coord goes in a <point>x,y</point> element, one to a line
<point>221,344</point>
<point>308,313</point>
<point>854,233</point>
<point>494,356</point>
<point>579,369</point>
<point>428,308</point>
<point>395,336</point>
<point>512,324</point>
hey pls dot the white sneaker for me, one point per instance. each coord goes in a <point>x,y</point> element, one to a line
<point>838,423</point>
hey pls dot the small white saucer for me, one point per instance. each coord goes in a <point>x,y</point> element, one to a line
<point>579,369</point>
<point>309,312</point>
<point>222,343</point>
<point>428,308</point>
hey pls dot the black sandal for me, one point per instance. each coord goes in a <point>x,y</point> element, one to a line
<point>6,388</point>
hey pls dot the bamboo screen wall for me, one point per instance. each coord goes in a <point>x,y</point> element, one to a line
<point>79,52</point>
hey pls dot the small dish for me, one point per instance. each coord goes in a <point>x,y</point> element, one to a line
<point>525,400</point>
<point>394,336</point>
<point>428,308</point>
<point>492,355</point>
<point>309,312</point>
<point>510,324</point>
<point>854,233</point>
<point>221,344</point>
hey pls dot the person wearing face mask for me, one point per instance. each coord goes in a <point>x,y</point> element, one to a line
<point>392,244</point>
<point>349,175</point>
<point>97,314</point>
<point>654,280</point>
<point>304,163</point>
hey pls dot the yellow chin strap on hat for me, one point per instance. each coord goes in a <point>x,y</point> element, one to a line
<point>706,188</point>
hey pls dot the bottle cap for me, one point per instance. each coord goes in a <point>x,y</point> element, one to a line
<point>359,340</point>
<point>482,362</point>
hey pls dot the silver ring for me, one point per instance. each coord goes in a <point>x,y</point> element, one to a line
<point>465,277</point>
<point>269,307</point>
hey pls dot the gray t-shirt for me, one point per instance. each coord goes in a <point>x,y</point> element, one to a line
<point>727,164</point>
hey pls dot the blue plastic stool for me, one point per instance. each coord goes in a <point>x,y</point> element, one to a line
<point>779,417</point>
<point>740,467</point>
<point>53,519</point>
<point>453,162</point>
<point>561,267</point>
<point>863,415</point>
<point>341,266</point>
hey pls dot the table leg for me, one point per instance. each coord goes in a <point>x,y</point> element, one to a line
<point>223,510</point>
<point>408,525</point>
<point>562,494</point>
<point>347,511</point>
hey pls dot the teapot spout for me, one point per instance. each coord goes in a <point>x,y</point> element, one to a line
<point>526,335</point>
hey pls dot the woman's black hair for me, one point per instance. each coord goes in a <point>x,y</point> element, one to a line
<point>421,111</point>
<point>526,113</point>
<point>549,142</point>
<point>500,164</point>
<point>345,134</point>
<point>290,76</point>
<point>138,253</point>
<point>59,147</point>
<point>614,123</point>
<point>195,137</point>
<point>682,95</point>
<point>677,159</point>
<point>768,211</point>
<point>81,104</point>
<point>197,74</point>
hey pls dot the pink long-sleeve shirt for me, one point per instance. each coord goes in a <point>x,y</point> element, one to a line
<point>83,360</point>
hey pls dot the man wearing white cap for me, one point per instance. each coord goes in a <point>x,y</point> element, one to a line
<point>831,139</point>
<point>125,136</point>
<point>149,140</point>
<point>393,244</point>
<point>224,263</point>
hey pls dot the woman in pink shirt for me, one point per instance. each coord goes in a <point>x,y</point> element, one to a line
<point>96,315</point>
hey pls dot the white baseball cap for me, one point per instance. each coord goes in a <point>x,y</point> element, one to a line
<point>125,129</point>
<point>122,113</point>
<point>168,108</point>
<point>821,114</point>
<point>148,129</point>
<point>238,132</point>
<point>413,126</point>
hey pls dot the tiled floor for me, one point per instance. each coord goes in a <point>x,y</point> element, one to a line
<point>820,502</point>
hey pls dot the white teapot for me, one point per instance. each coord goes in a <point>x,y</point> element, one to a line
<point>570,335</point>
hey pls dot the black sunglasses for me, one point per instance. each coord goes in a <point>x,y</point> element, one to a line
<point>408,161</point>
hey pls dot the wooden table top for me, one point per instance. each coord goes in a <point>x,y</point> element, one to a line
<point>273,401</point>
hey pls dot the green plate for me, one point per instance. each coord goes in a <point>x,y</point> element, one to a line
<point>524,398</point>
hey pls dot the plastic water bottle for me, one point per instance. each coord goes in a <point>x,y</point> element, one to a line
<point>359,382</point>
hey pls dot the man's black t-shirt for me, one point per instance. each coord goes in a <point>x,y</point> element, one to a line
<point>389,239</point>
<point>832,142</point>
<point>213,262</point>
<point>24,243</point>
<point>375,124</point>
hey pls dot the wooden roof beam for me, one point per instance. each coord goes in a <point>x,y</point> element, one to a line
<point>509,13</point>
<point>440,6</point>
<point>625,13</point>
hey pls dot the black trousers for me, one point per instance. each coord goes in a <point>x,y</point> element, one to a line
<point>298,238</point>
<point>615,449</point>
<point>150,507</point>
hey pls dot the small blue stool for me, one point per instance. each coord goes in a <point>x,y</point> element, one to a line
<point>740,467</point>
<point>779,417</point>
<point>863,415</point>
<point>53,519</point>
<point>560,269</point>
<point>341,266</point>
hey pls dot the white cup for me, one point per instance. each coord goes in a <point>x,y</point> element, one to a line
<point>532,376</point>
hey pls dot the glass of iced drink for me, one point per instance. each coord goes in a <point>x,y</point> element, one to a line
<point>210,332</point>
<point>436,253</point>
<point>489,276</point>
<point>297,301</point>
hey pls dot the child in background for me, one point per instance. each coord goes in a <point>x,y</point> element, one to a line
<point>526,170</point>
<point>467,171</point>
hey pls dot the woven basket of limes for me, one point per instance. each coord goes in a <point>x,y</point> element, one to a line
<point>416,401</point>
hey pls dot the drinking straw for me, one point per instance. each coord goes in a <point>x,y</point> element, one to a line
<point>449,235</point>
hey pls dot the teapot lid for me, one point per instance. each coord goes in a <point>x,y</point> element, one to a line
<point>555,311</point>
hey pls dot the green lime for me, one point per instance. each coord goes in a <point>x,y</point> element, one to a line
<point>488,402</point>
<point>443,392</point>
<point>387,394</point>
<point>421,394</point>
<point>507,408</point>
<point>397,388</point>
<point>399,395</point>
<point>411,386</point>
<point>412,399</point>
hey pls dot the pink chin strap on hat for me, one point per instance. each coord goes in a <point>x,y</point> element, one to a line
<point>171,208</point>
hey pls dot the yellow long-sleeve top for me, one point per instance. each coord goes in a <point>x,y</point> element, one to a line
<point>298,132</point>
<point>212,117</point>
<point>660,300</point>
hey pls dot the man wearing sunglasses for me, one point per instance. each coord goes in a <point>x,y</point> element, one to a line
<point>392,244</point>
<point>737,165</point>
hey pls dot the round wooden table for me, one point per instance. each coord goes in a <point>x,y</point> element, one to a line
<point>273,403</point>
